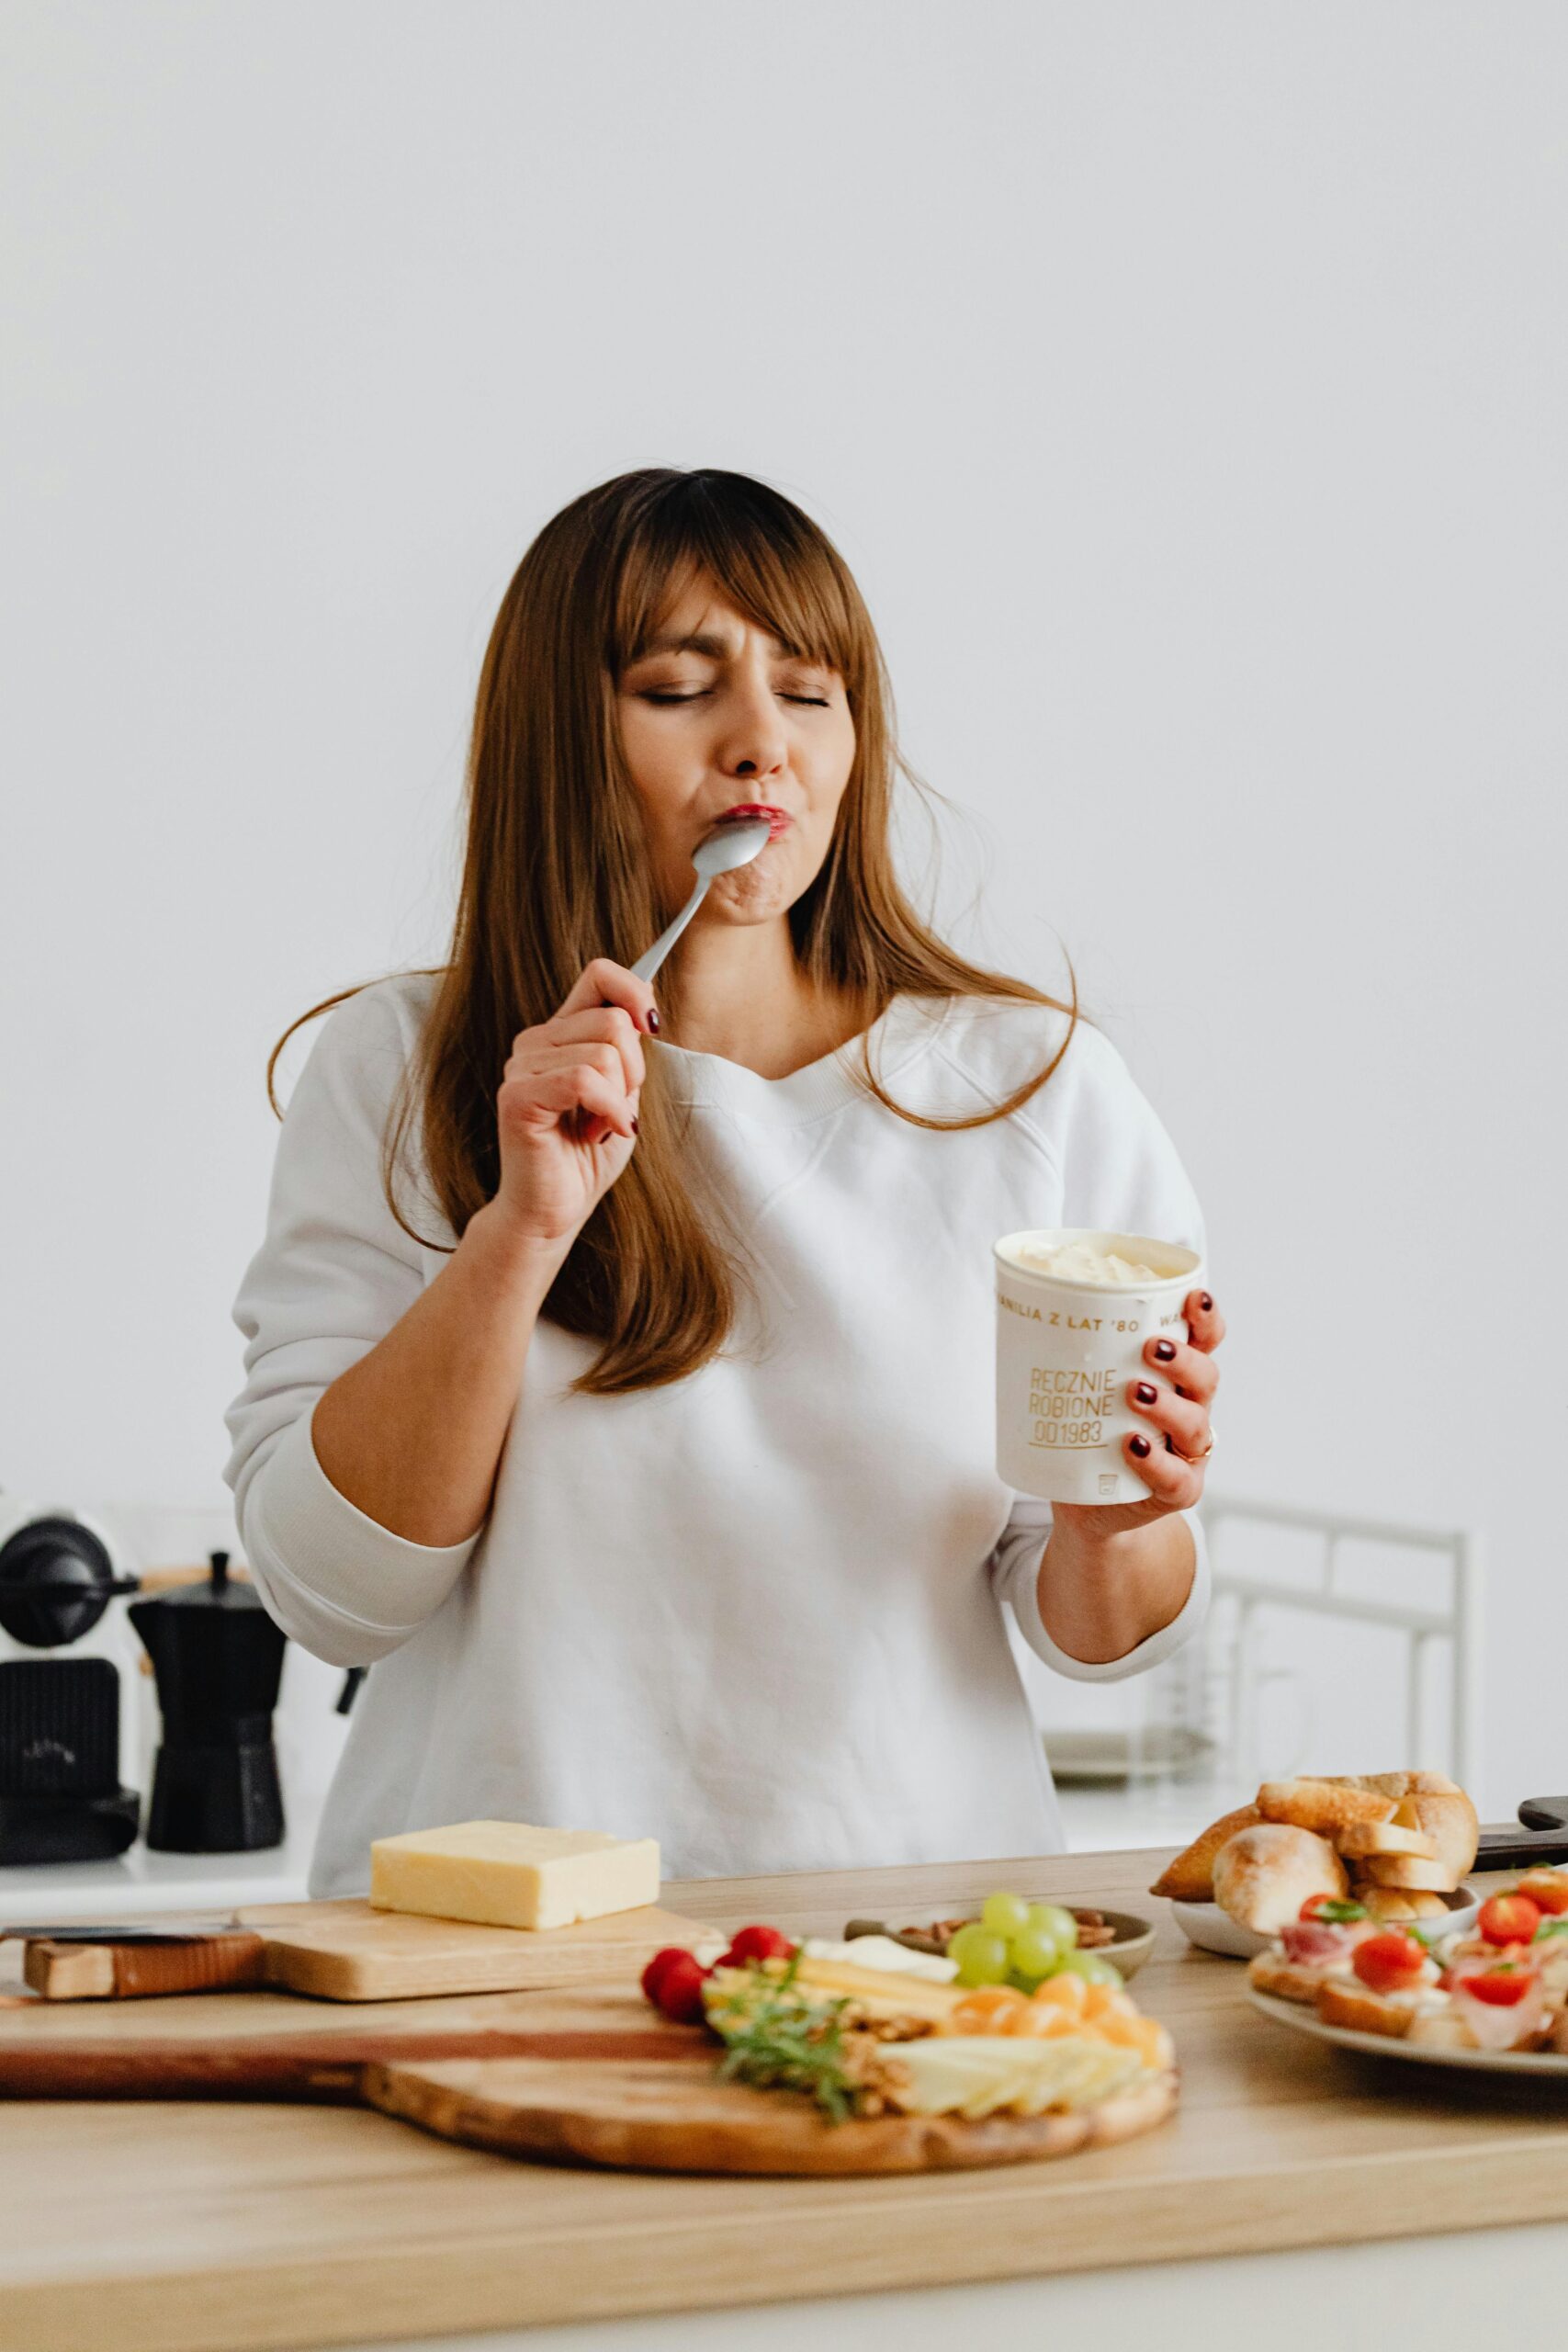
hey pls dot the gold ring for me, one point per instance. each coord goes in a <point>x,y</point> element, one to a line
<point>1195,1459</point>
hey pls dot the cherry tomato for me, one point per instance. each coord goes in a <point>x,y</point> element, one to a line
<point>653,1974</point>
<point>1548,1890</point>
<point>1389,1963</point>
<point>1500,1989</point>
<point>1331,1911</point>
<point>757,1943</point>
<point>680,1991</point>
<point>1509,1919</point>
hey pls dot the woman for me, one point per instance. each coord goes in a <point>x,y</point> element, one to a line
<point>619,1359</point>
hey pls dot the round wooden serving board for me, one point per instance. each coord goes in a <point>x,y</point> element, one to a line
<point>673,2114</point>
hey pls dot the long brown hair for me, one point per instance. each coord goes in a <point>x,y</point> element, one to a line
<point>556,871</point>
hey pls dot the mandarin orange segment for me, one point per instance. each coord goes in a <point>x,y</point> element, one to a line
<point>990,2008</point>
<point>1063,1992</point>
<point>1046,2022</point>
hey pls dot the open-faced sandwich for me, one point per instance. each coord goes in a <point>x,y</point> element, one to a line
<point>1052,2030</point>
<point>1399,1843</point>
<point>1504,1986</point>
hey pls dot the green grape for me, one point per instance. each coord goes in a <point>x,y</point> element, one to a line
<point>982,1957</point>
<point>1093,1969</point>
<point>1053,1920</point>
<point>1004,1915</point>
<point>1035,1954</point>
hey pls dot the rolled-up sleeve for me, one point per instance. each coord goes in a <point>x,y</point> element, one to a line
<point>1015,1572</point>
<point>333,1276</point>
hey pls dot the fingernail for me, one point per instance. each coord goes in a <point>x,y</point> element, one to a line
<point>1146,1393</point>
<point>1206,1302</point>
<point>634,1126</point>
<point>1140,1446</point>
<point>1166,1351</point>
<point>653,1019</point>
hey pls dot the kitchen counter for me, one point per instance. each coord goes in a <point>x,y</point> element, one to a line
<point>211,2228</point>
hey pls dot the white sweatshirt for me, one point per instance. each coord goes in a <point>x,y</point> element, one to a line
<point>758,1614</point>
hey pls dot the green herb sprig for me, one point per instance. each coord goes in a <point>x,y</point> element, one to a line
<point>775,2038</point>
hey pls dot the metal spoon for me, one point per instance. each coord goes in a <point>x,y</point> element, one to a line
<point>734,841</point>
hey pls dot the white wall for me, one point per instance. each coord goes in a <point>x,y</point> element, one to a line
<point>1185,383</point>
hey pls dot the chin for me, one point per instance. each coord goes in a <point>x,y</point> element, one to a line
<point>752,896</point>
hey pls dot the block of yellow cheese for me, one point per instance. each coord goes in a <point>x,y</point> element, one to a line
<point>505,1875</point>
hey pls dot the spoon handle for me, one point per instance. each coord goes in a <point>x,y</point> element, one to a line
<point>648,964</point>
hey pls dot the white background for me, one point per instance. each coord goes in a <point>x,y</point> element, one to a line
<point>1184,383</point>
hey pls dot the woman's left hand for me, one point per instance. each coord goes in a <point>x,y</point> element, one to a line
<point>1170,1453</point>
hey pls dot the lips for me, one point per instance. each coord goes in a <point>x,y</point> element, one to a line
<point>779,819</point>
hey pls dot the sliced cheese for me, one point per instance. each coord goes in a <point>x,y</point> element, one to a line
<point>886,1956</point>
<point>505,1875</point>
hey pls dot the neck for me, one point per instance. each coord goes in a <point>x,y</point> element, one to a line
<point>744,997</point>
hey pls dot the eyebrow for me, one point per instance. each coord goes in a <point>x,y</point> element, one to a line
<point>712,647</point>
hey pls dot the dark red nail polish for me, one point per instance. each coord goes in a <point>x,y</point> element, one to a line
<point>1140,1446</point>
<point>653,1019</point>
<point>1206,1302</point>
<point>1145,1392</point>
<point>1166,1351</point>
<point>634,1126</point>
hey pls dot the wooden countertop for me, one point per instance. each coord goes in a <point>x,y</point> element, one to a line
<point>205,2228</point>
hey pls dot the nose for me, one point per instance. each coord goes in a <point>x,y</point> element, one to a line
<point>753,743</point>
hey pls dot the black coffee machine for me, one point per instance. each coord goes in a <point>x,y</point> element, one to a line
<point>60,1795</point>
<point>218,1659</point>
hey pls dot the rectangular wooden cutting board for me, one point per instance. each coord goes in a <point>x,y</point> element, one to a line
<point>347,1951</point>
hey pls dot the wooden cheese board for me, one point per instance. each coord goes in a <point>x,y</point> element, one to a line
<point>590,2075</point>
<point>348,1951</point>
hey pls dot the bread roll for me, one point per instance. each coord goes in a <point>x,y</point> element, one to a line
<point>1364,1837</point>
<point>1190,1877</point>
<point>1327,1807</point>
<point>1411,1871</point>
<point>1264,1874</point>
<point>1388,1903</point>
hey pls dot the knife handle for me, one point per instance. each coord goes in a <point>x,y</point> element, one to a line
<point>110,1972</point>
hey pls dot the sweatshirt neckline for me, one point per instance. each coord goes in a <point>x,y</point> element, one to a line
<point>903,1033</point>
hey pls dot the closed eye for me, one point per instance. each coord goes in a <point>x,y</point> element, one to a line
<point>817,702</point>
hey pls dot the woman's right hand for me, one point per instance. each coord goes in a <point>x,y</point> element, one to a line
<point>567,1109</point>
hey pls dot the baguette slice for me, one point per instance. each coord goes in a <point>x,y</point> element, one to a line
<point>1364,1837</point>
<point>1189,1878</point>
<point>1287,1980</point>
<point>1448,1818</point>
<point>1386,1903</point>
<point>1410,1871</point>
<point>1439,2028</point>
<point>1362,2010</point>
<point>1326,1807</point>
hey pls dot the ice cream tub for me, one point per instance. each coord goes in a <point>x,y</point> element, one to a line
<point>1076,1308</point>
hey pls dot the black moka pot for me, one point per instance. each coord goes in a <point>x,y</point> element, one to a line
<point>219,1658</point>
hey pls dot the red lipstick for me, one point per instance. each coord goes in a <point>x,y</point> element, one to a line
<point>779,819</point>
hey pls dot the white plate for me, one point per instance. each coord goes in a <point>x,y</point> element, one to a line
<point>1388,2045</point>
<point>1212,1930</point>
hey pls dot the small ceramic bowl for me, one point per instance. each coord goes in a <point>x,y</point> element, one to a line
<point>1212,1930</point>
